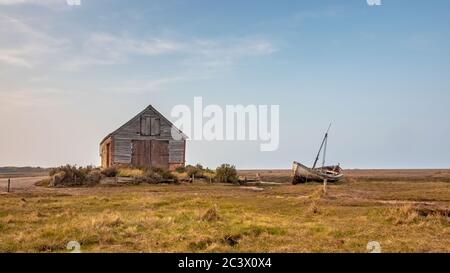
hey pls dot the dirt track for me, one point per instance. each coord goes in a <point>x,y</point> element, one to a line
<point>22,184</point>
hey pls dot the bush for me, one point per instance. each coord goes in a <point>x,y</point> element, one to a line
<point>165,174</point>
<point>158,175</point>
<point>181,176</point>
<point>71,175</point>
<point>142,174</point>
<point>110,172</point>
<point>94,177</point>
<point>197,171</point>
<point>226,173</point>
<point>210,175</point>
<point>180,169</point>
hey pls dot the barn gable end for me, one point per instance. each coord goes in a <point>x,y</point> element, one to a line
<point>145,140</point>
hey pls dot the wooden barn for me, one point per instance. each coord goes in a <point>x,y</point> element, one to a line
<point>145,140</point>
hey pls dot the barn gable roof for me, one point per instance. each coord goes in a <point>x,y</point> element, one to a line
<point>150,107</point>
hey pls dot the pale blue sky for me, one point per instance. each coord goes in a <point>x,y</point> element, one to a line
<point>71,74</point>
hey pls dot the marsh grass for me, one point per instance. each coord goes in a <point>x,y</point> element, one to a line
<point>211,215</point>
<point>204,217</point>
<point>130,172</point>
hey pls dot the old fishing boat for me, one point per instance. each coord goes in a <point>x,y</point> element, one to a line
<point>303,174</point>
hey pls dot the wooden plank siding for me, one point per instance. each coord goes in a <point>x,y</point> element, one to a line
<point>146,126</point>
<point>106,152</point>
<point>176,151</point>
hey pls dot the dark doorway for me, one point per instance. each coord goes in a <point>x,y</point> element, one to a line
<point>108,155</point>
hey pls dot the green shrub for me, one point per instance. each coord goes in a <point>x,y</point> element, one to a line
<point>72,172</point>
<point>196,170</point>
<point>226,173</point>
<point>180,169</point>
<point>71,175</point>
<point>94,177</point>
<point>165,174</point>
<point>158,175</point>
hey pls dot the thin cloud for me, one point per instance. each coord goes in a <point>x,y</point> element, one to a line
<point>145,85</point>
<point>226,52</point>
<point>33,2</point>
<point>14,58</point>
<point>107,49</point>
<point>35,97</point>
<point>27,47</point>
<point>24,46</point>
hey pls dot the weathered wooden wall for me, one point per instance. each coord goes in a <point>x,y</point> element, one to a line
<point>124,136</point>
<point>105,148</point>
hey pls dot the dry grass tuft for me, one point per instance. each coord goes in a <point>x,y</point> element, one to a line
<point>201,244</point>
<point>317,194</point>
<point>404,214</point>
<point>413,215</point>
<point>108,220</point>
<point>314,208</point>
<point>130,172</point>
<point>431,212</point>
<point>211,215</point>
<point>232,240</point>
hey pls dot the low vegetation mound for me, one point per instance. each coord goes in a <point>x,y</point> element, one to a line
<point>110,172</point>
<point>73,176</point>
<point>226,173</point>
<point>148,175</point>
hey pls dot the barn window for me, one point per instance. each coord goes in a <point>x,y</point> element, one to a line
<point>145,126</point>
<point>155,127</point>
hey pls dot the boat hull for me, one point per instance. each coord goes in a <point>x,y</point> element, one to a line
<point>303,174</point>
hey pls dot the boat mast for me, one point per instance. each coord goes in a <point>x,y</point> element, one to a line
<point>324,151</point>
<point>321,146</point>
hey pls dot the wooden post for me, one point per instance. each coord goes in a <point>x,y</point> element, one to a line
<point>325,186</point>
<point>9,184</point>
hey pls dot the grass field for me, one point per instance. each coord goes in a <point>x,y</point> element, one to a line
<point>405,211</point>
